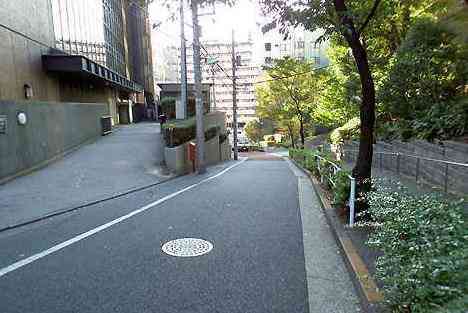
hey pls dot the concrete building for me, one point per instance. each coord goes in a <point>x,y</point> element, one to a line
<point>116,35</point>
<point>300,44</point>
<point>217,70</point>
<point>63,65</point>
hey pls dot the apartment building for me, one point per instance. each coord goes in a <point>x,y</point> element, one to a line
<point>217,70</point>
<point>300,44</point>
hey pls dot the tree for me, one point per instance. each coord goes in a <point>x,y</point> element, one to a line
<point>254,131</point>
<point>425,88</point>
<point>288,95</point>
<point>349,18</point>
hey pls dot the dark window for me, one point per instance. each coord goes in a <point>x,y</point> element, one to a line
<point>268,60</point>
<point>268,46</point>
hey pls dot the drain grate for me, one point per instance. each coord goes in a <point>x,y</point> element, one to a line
<point>187,247</point>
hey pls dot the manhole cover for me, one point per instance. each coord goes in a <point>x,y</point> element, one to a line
<point>187,247</point>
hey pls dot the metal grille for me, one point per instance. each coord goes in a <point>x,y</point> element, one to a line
<point>93,28</point>
<point>187,247</point>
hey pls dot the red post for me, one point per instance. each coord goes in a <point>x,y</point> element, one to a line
<point>192,153</point>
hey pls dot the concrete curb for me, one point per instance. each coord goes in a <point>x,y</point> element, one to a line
<point>369,294</point>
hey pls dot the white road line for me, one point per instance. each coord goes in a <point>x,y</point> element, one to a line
<point>98,229</point>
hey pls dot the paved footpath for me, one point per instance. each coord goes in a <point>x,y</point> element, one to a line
<point>125,159</point>
<point>272,250</point>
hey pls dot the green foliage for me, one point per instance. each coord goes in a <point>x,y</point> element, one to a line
<point>288,97</point>
<point>347,131</point>
<point>223,138</point>
<point>179,132</point>
<point>336,181</point>
<point>342,188</point>
<point>168,101</point>
<point>425,88</point>
<point>254,131</point>
<point>424,240</point>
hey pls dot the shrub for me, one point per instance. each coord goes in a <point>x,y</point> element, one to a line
<point>175,135</point>
<point>323,168</point>
<point>342,188</point>
<point>179,133</point>
<point>222,138</point>
<point>424,240</point>
<point>168,106</point>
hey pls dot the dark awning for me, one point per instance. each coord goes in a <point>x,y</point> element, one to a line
<point>81,65</point>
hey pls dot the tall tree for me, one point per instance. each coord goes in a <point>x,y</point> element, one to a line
<point>291,95</point>
<point>254,131</point>
<point>349,18</point>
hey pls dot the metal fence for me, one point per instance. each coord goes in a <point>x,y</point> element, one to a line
<point>448,175</point>
<point>352,182</point>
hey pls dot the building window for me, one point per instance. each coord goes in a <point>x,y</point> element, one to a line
<point>317,60</point>
<point>268,46</point>
<point>268,60</point>
<point>284,47</point>
<point>300,44</point>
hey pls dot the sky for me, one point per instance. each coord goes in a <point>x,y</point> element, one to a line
<point>243,17</point>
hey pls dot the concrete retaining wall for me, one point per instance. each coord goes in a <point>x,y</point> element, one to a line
<point>177,158</point>
<point>52,128</point>
<point>430,172</point>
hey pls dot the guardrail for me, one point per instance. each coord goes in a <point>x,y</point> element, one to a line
<point>398,156</point>
<point>352,181</point>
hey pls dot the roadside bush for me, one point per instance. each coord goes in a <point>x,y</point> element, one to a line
<point>177,134</point>
<point>168,106</point>
<point>341,187</point>
<point>424,240</point>
<point>222,138</point>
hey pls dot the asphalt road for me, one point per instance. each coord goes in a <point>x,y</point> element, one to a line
<point>249,213</point>
<point>127,158</point>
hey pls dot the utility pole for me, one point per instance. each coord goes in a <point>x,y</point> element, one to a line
<point>234,98</point>
<point>199,109</point>
<point>183,60</point>
<point>213,82</point>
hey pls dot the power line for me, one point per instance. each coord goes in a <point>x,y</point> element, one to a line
<point>294,75</point>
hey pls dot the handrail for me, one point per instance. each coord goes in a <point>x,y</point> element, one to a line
<point>415,156</point>
<point>352,192</point>
<point>336,166</point>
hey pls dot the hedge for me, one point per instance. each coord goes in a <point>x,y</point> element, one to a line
<point>341,187</point>
<point>176,134</point>
<point>424,240</point>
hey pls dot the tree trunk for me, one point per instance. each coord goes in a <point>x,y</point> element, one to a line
<point>291,135</point>
<point>301,131</point>
<point>363,168</point>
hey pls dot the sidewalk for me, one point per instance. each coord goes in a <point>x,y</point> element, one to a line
<point>329,284</point>
<point>127,158</point>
